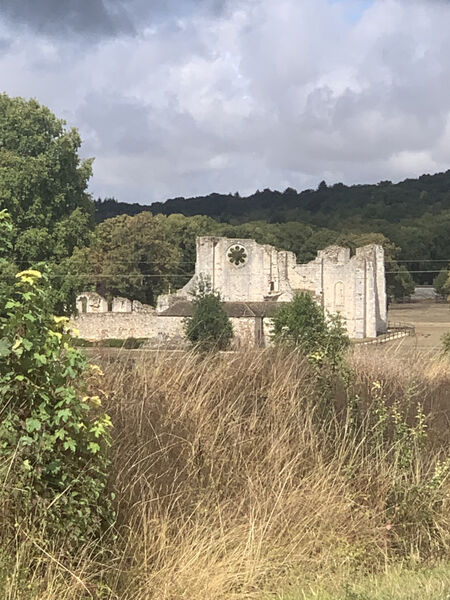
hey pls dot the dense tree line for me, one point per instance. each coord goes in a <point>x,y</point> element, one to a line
<point>413,214</point>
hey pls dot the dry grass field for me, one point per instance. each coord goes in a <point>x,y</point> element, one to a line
<point>255,476</point>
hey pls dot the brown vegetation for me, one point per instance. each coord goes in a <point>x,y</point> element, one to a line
<point>238,475</point>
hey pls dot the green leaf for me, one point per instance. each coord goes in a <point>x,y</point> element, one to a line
<point>32,425</point>
<point>40,358</point>
<point>27,344</point>
<point>60,434</point>
<point>93,447</point>
<point>63,414</point>
<point>26,440</point>
<point>70,444</point>
<point>12,304</point>
<point>5,348</point>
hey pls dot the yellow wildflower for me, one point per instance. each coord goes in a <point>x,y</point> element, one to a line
<point>61,319</point>
<point>29,273</point>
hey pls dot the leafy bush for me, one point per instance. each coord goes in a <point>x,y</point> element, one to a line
<point>302,323</point>
<point>399,282</point>
<point>53,434</point>
<point>130,343</point>
<point>209,328</point>
<point>7,267</point>
<point>442,282</point>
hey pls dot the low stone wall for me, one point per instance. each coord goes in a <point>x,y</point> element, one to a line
<point>158,329</point>
<point>101,326</point>
<point>244,330</point>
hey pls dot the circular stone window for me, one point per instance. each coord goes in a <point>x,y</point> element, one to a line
<point>237,255</point>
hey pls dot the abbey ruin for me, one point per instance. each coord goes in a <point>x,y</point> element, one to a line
<point>253,281</point>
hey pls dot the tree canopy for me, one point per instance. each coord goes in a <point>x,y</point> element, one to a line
<point>413,214</point>
<point>42,180</point>
<point>133,257</point>
<point>43,185</point>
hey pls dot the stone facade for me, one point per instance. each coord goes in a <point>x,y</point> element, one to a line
<point>243,271</point>
<point>253,281</point>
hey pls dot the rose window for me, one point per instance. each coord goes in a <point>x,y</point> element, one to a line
<point>237,255</point>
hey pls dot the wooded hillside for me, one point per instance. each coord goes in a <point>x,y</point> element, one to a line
<point>413,214</point>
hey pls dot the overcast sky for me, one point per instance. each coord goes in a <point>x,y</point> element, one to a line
<point>187,97</point>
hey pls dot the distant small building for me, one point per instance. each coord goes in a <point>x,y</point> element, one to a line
<point>424,293</point>
<point>253,280</point>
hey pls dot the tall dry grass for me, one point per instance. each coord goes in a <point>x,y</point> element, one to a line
<point>235,475</point>
<point>232,474</point>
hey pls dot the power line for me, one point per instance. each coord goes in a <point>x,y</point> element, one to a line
<point>117,262</point>
<point>180,275</point>
<point>192,262</point>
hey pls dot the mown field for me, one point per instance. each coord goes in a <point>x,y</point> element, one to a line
<point>257,475</point>
<point>430,319</point>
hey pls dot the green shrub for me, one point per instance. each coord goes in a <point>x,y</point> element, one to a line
<point>110,343</point>
<point>399,282</point>
<point>81,343</point>
<point>209,328</point>
<point>53,434</point>
<point>442,282</point>
<point>130,343</point>
<point>302,323</point>
<point>7,267</point>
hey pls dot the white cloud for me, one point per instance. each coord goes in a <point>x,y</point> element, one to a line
<point>256,94</point>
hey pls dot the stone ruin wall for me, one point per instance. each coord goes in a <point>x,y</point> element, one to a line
<point>264,274</point>
<point>353,286</point>
<point>96,326</point>
<point>121,318</point>
<point>128,319</point>
<point>101,326</point>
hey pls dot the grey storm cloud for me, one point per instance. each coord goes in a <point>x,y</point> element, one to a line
<point>59,17</point>
<point>103,18</point>
<point>186,97</point>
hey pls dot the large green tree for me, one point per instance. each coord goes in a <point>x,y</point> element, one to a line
<point>43,186</point>
<point>42,179</point>
<point>133,257</point>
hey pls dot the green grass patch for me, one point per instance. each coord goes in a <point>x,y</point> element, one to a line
<point>129,343</point>
<point>395,584</point>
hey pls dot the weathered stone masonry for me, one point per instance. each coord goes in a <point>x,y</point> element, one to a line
<point>253,280</point>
